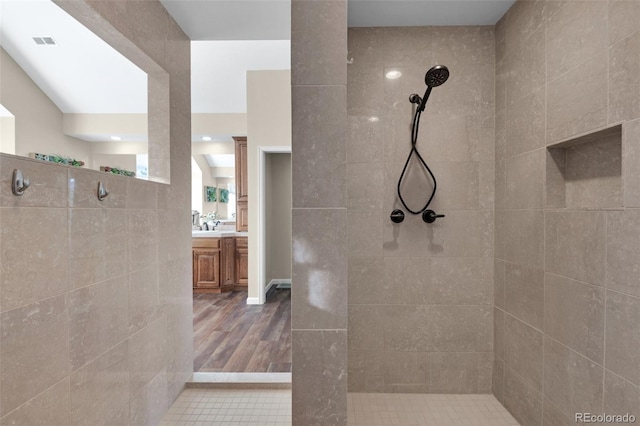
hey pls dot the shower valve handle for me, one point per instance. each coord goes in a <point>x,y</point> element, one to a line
<point>429,216</point>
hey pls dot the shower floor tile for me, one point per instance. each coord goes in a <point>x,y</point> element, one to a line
<point>235,407</point>
<point>385,409</point>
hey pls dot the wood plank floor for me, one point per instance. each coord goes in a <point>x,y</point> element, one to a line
<point>231,336</point>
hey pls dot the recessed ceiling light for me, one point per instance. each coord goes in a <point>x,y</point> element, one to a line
<point>374,119</point>
<point>116,138</point>
<point>392,75</point>
<point>206,138</point>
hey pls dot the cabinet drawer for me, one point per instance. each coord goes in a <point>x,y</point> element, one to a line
<point>205,243</point>
<point>242,242</point>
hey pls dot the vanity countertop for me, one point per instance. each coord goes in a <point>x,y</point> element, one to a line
<point>217,234</point>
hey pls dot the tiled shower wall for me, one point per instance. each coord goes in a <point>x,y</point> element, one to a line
<point>567,288</point>
<point>420,295</point>
<point>95,301</point>
<point>319,217</point>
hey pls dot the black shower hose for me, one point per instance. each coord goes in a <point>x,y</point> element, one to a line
<point>414,150</point>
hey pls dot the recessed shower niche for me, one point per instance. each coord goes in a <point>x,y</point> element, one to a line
<point>586,172</point>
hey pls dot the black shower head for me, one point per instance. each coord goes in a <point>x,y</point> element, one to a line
<point>436,76</point>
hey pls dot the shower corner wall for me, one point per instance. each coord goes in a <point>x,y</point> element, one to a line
<point>420,317</point>
<point>567,303</point>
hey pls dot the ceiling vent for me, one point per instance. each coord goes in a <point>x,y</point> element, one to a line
<point>45,41</point>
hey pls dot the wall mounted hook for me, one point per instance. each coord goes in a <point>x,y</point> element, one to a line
<point>102,192</point>
<point>19,183</point>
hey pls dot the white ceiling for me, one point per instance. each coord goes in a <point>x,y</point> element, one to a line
<point>221,160</point>
<point>84,75</point>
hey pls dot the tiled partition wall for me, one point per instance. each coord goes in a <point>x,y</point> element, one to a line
<point>319,218</point>
<point>567,287</point>
<point>95,301</point>
<point>420,295</point>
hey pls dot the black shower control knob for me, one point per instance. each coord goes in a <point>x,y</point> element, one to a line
<point>397,216</point>
<point>429,216</point>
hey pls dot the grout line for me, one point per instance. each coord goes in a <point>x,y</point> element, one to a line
<point>606,297</point>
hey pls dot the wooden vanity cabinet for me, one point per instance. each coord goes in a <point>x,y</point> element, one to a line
<point>242,185</point>
<point>242,261</point>
<point>219,264</point>
<point>206,265</point>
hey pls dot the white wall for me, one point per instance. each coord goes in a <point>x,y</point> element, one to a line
<point>38,122</point>
<point>278,217</point>
<point>268,124</point>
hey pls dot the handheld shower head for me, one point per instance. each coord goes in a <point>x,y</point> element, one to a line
<point>436,76</point>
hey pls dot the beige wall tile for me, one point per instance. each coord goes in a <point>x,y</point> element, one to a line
<point>446,137</point>
<point>48,183</point>
<point>454,45</point>
<point>624,19</point>
<point>499,283</point>
<point>180,354</point>
<point>366,372</point>
<point>575,34</point>
<point>98,319</point>
<point>365,328</point>
<point>501,135</point>
<point>485,372</point>
<point>593,174</point>
<point>487,186</point>
<point>365,140</point>
<point>408,46</point>
<point>144,298</point>
<point>406,372</point>
<point>319,361</point>
<point>521,21</point>
<point>497,380</point>
<point>364,184</point>
<point>149,404</point>
<point>524,293</point>
<point>143,233</point>
<point>622,345</point>
<point>523,350</point>
<point>553,416</point>
<point>523,237</point>
<point>460,281</point>
<point>521,399</point>
<point>366,280</point>
<point>319,27</point>
<point>320,269</point>
<point>620,396</point>
<point>103,254</point>
<point>51,407</point>
<point>364,233</point>
<point>319,134</point>
<point>451,372</point>
<point>572,382</point>
<point>525,180</point>
<point>631,163</point>
<point>577,100</point>
<point>147,354</point>
<point>405,281</point>
<point>574,315</point>
<point>526,67</point>
<point>623,244</point>
<point>141,195</point>
<point>624,83</point>
<point>458,185</point>
<point>525,124</point>
<point>501,185</point>
<point>83,188</point>
<point>462,233</point>
<point>575,245</point>
<point>457,328</point>
<point>34,263</point>
<point>366,46</point>
<point>365,90</point>
<point>34,351</point>
<point>100,389</point>
<point>498,333</point>
<point>404,328</point>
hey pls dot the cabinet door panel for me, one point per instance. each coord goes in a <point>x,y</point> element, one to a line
<point>206,268</point>
<point>242,267</point>
<point>242,217</point>
<point>228,266</point>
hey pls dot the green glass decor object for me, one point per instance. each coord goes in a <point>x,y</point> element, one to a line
<point>59,159</point>
<point>117,171</point>
<point>211,193</point>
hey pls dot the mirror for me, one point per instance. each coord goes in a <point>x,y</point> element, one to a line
<point>213,182</point>
<point>67,96</point>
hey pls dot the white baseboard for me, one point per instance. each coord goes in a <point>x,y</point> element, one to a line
<point>277,282</point>
<point>252,301</point>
